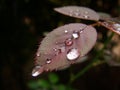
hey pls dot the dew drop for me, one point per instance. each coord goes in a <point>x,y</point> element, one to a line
<point>117,26</point>
<point>68,42</point>
<point>55,49</point>
<point>86,16</point>
<point>47,70</point>
<point>71,12</point>
<point>62,49</point>
<point>77,14</point>
<point>38,54</point>
<point>66,31</point>
<point>48,61</point>
<point>81,31</point>
<point>75,35</point>
<point>73,54</point>
<point>36,71</point>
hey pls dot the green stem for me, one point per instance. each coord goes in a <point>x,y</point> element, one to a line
<point>74,77</point>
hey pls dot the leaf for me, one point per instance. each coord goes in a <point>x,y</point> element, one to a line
<point>104,16</point>
<point>64,46</point>
<point>53,78</point>
<point>61,87</point>
<point>43,83</point>
<point>78,12</point>
<point>33,85</point>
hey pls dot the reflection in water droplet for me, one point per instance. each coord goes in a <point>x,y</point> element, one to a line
<point>48,61</point>
<point>36,71</point>
<point>73,54</point>
<point>117,26</point>
<point>75,35</point>
<point>68,42</point>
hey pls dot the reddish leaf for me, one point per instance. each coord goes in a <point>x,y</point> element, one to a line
<point>78,12</point>
<point>64,46</point>
<point>104,16</point>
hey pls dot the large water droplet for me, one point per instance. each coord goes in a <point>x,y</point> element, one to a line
<point>117,26</point>
<point>68,42</point>
<point>73,54</point>
<point>48,61</point>
<point>36,71</point>
<point>75,35</point>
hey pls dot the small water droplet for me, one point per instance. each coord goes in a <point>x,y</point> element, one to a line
<point>47,70</point>
<point>48,61</point>
<point>77,13</point>
<point>36,71</point>
<point>66,31</point>
<point>71,12</point>
<point>62,49</point>
<point>86,16</point>
<point>81,31</point>
<point>117,26</point>
<point>38,54</point>
<point>106,23</point>
<point>75,35</point>
<point>55,49</point>
<point>68,42</point>
<point>73,54</point>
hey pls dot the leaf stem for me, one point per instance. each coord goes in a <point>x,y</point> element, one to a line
<point>74,77</point>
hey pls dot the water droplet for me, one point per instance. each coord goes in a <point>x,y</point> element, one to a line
<point>47,70</point>
<point>81,31</point>
<point>62,49</point>
<point>71,13</point>
<point>36,71</point>
<point>68,42</point>
<point>73,54</point>
<point>38,54</point>
<point>48,61</point>
<point>55,49</point>
<point>75,35</point>
<point>77,14</point>
<point>117,26</point>
<point>66,31</point>
<point>86,16</point>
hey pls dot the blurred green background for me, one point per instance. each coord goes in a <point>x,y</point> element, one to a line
<point>23,24</point>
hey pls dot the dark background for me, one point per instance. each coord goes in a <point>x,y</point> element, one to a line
<point>22,24</point>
